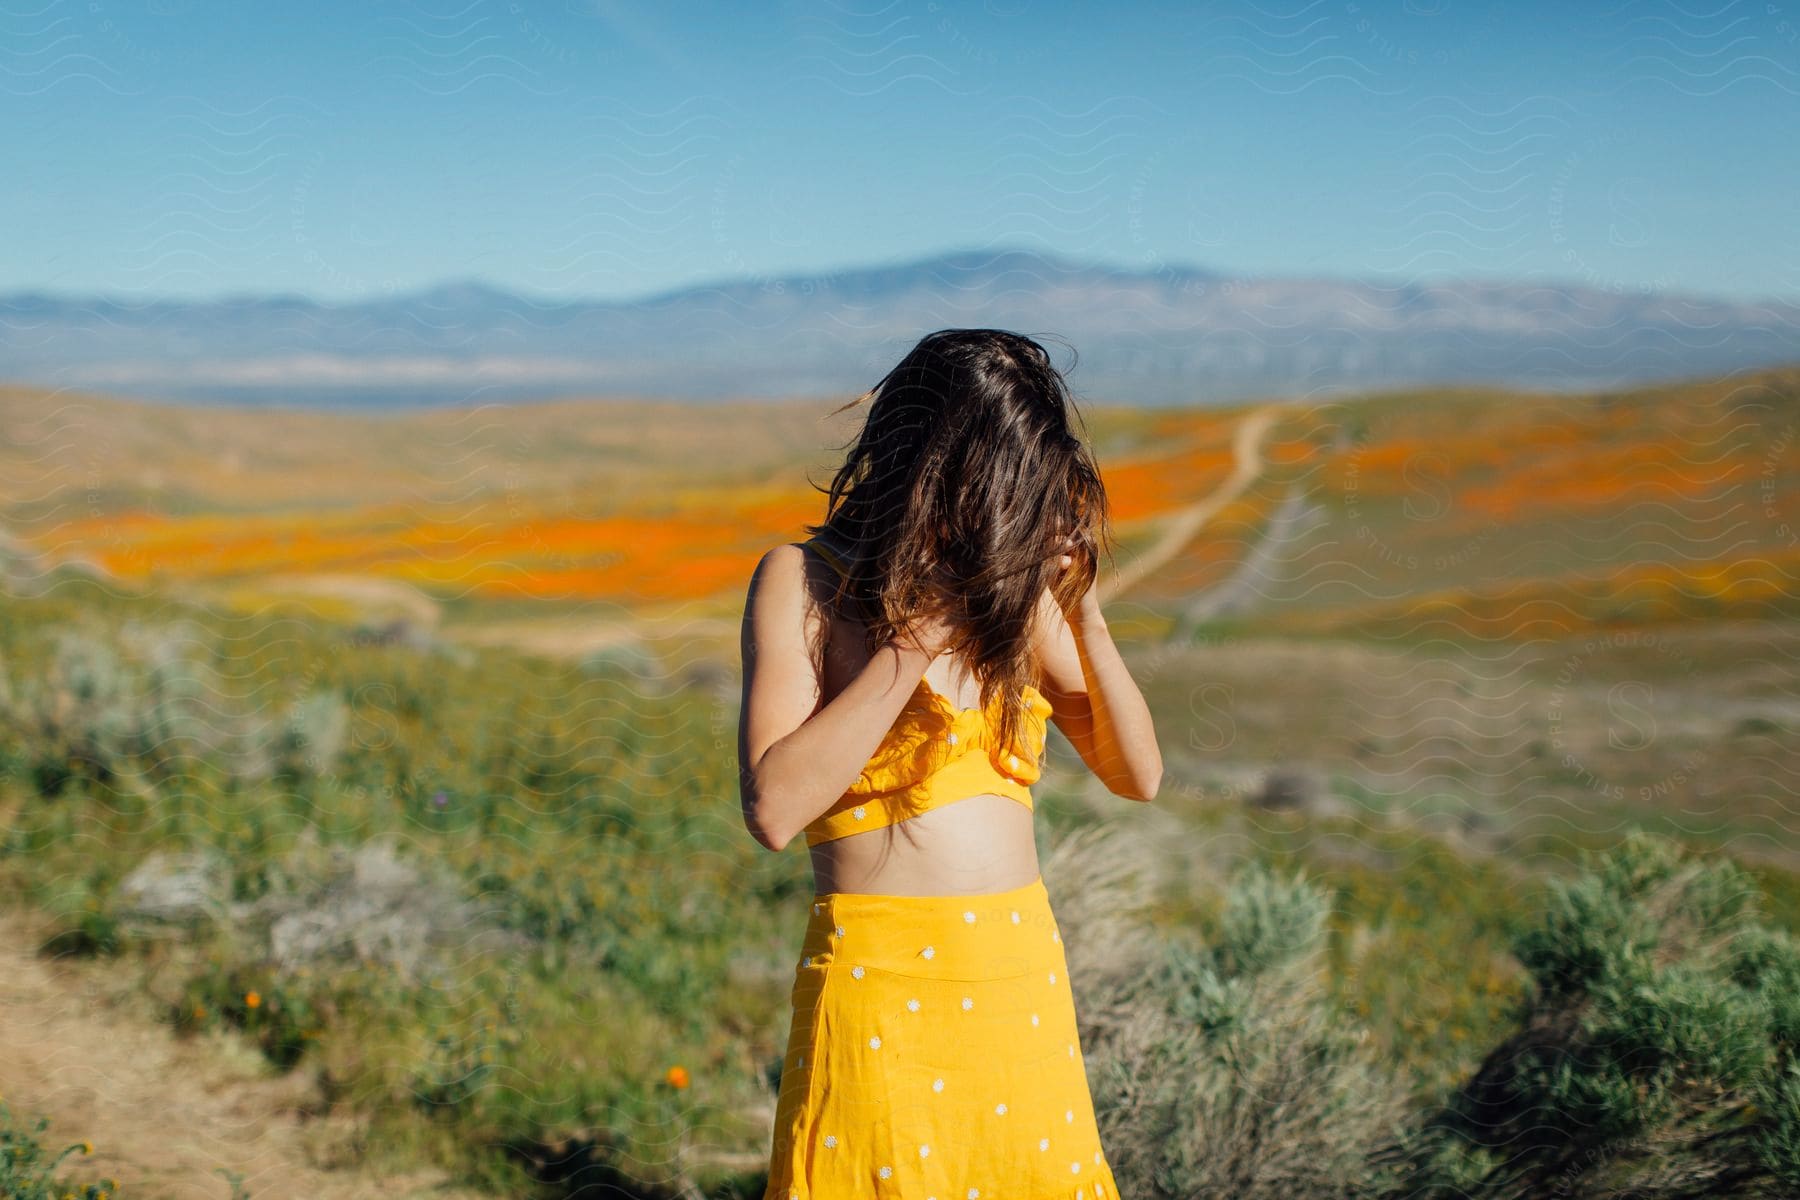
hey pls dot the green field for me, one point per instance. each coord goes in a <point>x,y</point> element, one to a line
<point>479,878</point>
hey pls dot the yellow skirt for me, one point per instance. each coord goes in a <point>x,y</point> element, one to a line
<point>933,1055</point>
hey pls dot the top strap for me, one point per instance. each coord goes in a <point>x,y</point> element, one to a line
<point>830,556</point>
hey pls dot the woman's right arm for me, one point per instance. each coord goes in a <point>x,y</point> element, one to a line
<point>795,762</point>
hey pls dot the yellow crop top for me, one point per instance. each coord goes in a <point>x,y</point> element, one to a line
<point>933,754</point>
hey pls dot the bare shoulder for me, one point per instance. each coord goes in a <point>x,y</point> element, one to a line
<point>783,556</point>
<point>781,609</point>
<point>781,643</point>
<point>778,583</point>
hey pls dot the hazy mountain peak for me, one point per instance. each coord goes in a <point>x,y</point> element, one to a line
<point>467,292</point>
<point>1162,333</point>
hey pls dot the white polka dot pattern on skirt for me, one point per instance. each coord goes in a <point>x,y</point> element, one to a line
<point>914,1005</point>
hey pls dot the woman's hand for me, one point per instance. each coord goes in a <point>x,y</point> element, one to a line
<point>932,632</point>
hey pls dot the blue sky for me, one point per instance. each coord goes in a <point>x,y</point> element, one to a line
<point>565,148</point>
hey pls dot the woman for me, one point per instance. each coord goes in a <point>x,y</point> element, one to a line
<point>899,668</point>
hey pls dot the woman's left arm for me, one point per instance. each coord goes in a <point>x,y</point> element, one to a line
<point>1094,700</point>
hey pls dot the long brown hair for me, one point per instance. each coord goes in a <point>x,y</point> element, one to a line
<point>955,499</point>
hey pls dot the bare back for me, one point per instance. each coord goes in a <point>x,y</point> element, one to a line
<point>983,843</point>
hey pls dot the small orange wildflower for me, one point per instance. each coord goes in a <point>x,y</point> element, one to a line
<point>252,999</point>
<point>677,1076</point>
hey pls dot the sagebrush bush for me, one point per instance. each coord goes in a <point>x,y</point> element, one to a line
<point>144,706</point>
<point>1655,1056</point>
<point>1224,1070</point>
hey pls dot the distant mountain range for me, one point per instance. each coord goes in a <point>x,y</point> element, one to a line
<point>1171,335</point>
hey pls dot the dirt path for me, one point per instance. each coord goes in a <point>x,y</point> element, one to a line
<point>77,1048</point>
<point>1247,464</point>
<point>1255,577</point>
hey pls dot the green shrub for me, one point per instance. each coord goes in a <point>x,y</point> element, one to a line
<point>143,706</point>
<point>1225,1070</point>
<point>28,1172</point>
<point>280,1018</point>
<point>1654,1057</point>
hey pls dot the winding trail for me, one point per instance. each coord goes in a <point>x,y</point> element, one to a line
<point>1247,464</point>
<point>1255,576</point>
